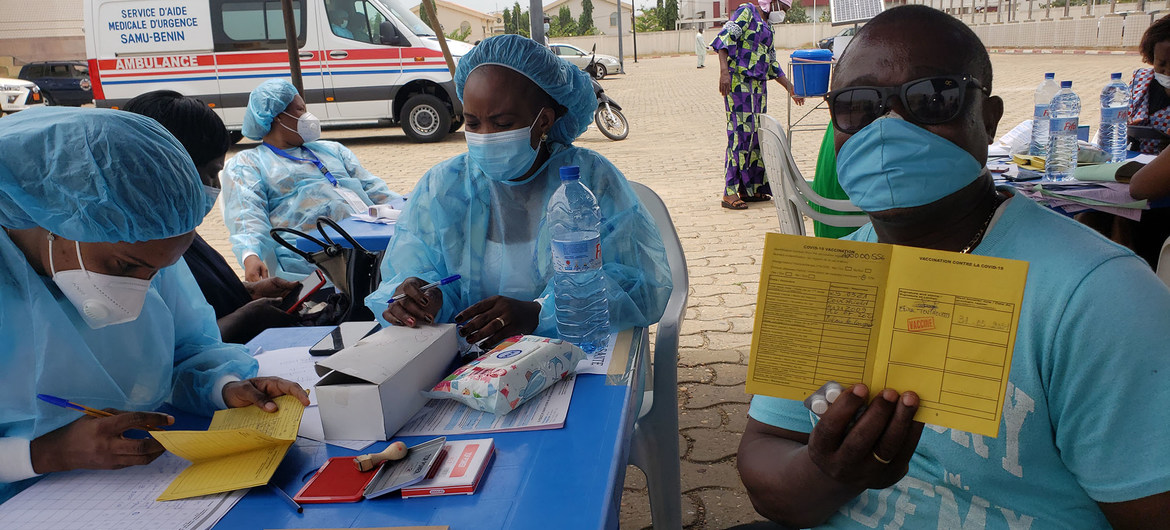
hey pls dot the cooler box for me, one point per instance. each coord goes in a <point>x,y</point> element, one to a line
<point>810,72</point>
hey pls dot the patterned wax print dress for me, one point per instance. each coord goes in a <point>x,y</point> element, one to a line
<point>1144,96</point>
<point>752,62</point>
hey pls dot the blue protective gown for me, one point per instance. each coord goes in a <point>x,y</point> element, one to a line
<point>171,353</point>
<point>493,234</point>
<point>262,190</point>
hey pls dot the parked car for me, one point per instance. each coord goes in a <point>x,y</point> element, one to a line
<point>606,64</point>
<point>827,42</point>
<point>61,82</point>
<point>18,94</point>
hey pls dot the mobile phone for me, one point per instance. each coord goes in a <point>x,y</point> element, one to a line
<point>306,291</point>
<point>343,336</point>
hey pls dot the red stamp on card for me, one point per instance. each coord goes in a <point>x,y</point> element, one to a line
<point>920,324</point>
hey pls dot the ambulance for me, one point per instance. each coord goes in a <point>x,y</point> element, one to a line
<point>362,61</point>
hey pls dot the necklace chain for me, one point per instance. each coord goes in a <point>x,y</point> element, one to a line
<point>983,230</point>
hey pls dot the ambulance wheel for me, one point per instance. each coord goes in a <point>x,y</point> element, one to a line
<point>425,118</point>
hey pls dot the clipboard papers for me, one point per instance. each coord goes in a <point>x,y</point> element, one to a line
<point>941,324</point>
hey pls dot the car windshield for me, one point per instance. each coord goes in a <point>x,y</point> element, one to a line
<point>402,13</point>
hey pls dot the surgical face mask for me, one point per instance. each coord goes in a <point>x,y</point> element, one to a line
<point>776,17</point>
<point>892,163</point>
<point>765,5</point>
<point>503,156</point>
<point>546,27</point>
<point>212,193</point>
<point>1162,79</point>
<point>101,299</point>
<point>308,126</point>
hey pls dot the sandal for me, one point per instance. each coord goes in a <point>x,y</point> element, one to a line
<point>737,204</point>
<point>759,197</point>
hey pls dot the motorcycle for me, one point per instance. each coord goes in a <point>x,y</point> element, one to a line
<point>608,116</point>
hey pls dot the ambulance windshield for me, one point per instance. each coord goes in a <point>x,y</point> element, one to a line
<point>402,13</point>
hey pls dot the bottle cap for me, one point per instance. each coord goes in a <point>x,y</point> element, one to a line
<point>570,173</point>
<point>1066,84</point>
<point>1115,75</point>
<point>1050,75</point>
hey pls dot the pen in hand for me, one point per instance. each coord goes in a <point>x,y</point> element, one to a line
<point>64,403</point>
<point>431,285</point>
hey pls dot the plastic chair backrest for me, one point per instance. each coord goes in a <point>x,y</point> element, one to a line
<point>775,150</point>
<point>666,340</point>
<point>1164,263</point>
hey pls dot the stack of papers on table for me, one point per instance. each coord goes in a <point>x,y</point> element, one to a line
<point>114,500</point>
<point>1075,196</point>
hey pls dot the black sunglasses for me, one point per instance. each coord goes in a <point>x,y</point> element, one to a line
<point>929,101</point>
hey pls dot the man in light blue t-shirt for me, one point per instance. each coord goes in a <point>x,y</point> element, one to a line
<point>1085,436</point>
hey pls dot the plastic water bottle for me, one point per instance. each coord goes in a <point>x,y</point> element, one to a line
<point>1044,94</point>
<point>574,221</point>
<point>1114,115</point>
<point>1064,113</point>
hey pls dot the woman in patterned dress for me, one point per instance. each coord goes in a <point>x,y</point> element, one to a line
<point>1149,103</point>
<point>749,61</point>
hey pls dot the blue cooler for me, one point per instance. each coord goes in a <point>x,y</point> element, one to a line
<point>810,72</point>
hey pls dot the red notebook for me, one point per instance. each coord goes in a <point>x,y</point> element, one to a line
<point>459,472</point>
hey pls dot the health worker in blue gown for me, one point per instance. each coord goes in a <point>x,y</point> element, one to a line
<point>481,214</point>
<point>288,181</point>
<point>96,305</point>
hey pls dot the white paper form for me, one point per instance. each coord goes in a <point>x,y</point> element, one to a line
<point>294,364</point>
<point>442,417</point>
<point>114,500</point>
<point>598,363</point>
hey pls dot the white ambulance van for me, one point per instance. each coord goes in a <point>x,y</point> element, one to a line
<point>362,61</point>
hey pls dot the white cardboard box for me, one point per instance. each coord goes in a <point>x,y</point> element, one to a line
<point>372,389</point>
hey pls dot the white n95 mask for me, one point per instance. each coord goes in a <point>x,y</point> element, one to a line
<point>308,126</point>
<point>101,299</point>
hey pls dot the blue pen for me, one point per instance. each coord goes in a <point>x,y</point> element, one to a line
<point>64,403</point>
<point>431,285</point>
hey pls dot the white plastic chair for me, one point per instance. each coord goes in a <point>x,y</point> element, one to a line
<point>794,195</point>
<point>654,447</point>
<point>1164,263</point>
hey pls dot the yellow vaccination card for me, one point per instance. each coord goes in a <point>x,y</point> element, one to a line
<point>240,449</point>
<point>941,324</point>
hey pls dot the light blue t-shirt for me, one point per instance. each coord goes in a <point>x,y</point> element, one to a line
<point>1085,419</point>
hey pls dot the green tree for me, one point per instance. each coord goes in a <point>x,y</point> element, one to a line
<point>585,21</point>
<point>509,26</point>
<point>648,20</point>
<point>797,14</point>
<point>669,15</point>
<point>422,13</point>
<point>459,34</point>
<point>826,15</point>
<point>563,24</point>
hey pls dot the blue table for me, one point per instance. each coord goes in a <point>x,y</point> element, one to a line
<point>373,236</point>
<point>561,478</point>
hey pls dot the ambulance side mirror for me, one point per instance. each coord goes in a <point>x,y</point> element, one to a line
<point>389,34</point>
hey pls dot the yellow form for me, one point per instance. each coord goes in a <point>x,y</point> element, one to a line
<point>941,324</point>
<point>241,448</point>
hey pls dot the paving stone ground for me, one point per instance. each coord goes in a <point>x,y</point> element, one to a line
<point>676,147</point>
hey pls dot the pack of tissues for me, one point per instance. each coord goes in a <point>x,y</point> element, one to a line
<point>510,374</point>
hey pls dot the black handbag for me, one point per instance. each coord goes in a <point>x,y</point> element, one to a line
<point>353,271</point>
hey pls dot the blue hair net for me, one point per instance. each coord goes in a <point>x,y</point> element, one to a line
<point>565,83</point>
<point>265,103</point>
<point>96,175</point>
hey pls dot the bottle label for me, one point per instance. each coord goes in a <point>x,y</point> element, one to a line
<point>1040,112</point>
<point>576,256</point>
<point>1119,114</point>
<point>1058,125</point>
